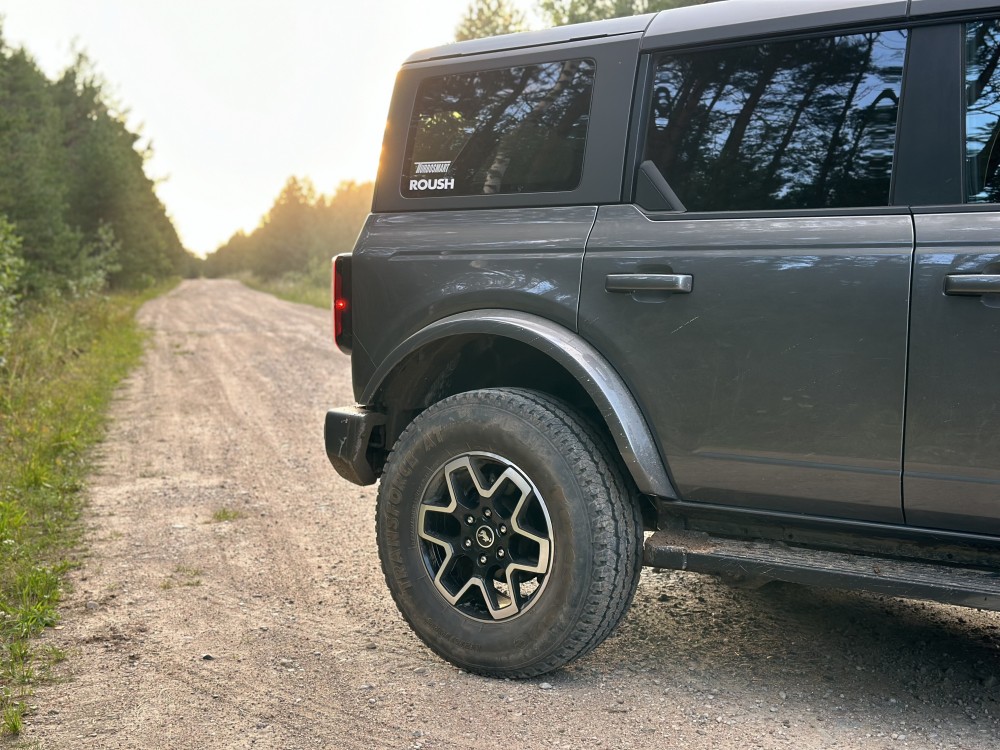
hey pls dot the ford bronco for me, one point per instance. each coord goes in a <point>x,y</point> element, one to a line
<point>713,289</point>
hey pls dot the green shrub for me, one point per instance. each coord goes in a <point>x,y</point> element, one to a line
<point>11,267</point>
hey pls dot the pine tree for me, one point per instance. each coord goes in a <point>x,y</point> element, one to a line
<point>562,12</point>
<point>73,184</point>
<point>490,18</point>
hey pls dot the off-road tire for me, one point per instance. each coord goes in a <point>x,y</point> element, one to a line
<point>594,526</point>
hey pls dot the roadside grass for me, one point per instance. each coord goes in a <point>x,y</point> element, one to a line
<point>226,514</point>
<point>62,365</point>
<point>311,288</point>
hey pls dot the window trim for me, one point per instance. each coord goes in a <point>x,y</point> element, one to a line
<point>930,150</point>
<point>604,154</point>
<point>638,124</point>
<point>776,213</point>
<point>956,208</point>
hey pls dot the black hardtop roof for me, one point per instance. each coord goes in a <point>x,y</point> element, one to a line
<point>545,37</point>
<point>714,22</point>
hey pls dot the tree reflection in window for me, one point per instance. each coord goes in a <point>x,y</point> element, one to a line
<point>510,130</point>
<point>800,124</point>
<point>982,111</point>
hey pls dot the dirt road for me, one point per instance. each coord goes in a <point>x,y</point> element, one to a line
<point>274,629</point>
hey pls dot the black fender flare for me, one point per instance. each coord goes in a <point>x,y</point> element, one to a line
<point>592,371</point>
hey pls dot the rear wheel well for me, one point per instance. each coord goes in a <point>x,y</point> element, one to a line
<point>468,362</point>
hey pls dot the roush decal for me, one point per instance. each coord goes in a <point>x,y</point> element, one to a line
<point>432,167</point>
<point>441,183</point>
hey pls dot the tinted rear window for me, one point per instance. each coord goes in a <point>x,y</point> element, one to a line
<point>511,130</point>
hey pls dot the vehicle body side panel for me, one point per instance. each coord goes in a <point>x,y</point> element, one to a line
<point>410,270</point>
<point>952,459</point>
<point>778,382</point>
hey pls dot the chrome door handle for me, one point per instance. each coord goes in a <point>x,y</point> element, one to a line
<point>678,283</point>
<point>971,284</point>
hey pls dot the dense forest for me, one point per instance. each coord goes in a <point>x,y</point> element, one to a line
<point>78,213</point>
<point>72,182</point>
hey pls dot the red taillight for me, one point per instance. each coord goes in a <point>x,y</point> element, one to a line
<point>342,328</point>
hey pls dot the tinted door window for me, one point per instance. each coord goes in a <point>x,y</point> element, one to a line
<point>512,130</point>
<point>799,124</point>
<point>982,111</point>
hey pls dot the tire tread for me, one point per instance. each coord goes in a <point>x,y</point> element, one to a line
<point>615,514</point>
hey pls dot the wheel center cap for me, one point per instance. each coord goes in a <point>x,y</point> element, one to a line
<point>485,537</point>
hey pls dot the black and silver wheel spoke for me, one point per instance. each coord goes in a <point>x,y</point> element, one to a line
<point>486,536</point>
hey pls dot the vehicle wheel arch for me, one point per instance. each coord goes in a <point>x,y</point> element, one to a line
<point>502,348</point>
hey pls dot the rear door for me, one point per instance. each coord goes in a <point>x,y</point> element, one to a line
<point>763,329</point>
<point>952,457</point>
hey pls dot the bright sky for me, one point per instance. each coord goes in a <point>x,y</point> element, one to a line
<point>238,95</point>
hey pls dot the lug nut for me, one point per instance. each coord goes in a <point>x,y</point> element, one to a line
<point>470,520</point>
<point>482,559</point>
<point>487,512</point>
<point>467,543</point>
<point>501,553</point>
<point>503,528</point>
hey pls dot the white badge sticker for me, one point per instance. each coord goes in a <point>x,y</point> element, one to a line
<point>432,167</point>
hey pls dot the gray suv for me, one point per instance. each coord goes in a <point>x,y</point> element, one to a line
<point>714,289</point>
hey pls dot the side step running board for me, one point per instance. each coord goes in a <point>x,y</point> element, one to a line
<point>701,553</point>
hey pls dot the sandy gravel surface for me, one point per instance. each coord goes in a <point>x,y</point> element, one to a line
<point>275,629</point>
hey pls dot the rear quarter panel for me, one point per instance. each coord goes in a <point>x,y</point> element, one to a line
<point>411,269</point>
